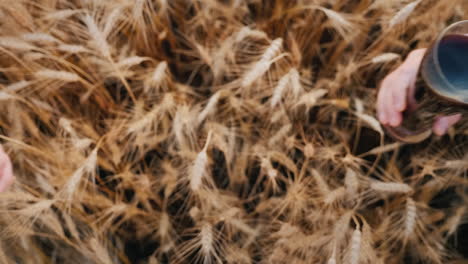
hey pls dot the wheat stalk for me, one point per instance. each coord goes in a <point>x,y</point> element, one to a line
<point>371,121</point>
<point>158,76</point>
<point>410,220</point>
<point>61,14</point>
<point>339,22</point>
<point>66,125</point>
<point>16,44</point>
<point>385,57</point>
<point>311,98</point>
<point>210,107</point>
<point>279,89</point>
<point>454,222</point>
<point>138,8</point>
<point>111,22</point>
<point>100,252</point>
<point>72,184</point>
<point>99,38</point>
<point>355,247</point>
<point>309,150</point>
<point>142,124</point>
<point>262,66</point>
<point>131,61</point>
<point>280,135</point>
<point>37,209</point>
<point>73,49</point>
<point>351,182</point>
<point>245,32</point>
<point>39,37</point>
<point>403,14</point>
<point>295,83</point>
<point>4,96</point>
<point>206,239</point>
<point>383,149</point>
<point>391,187</point>
<point>17,86</point>
<point>334,196</point>
<point>322,184</point>
<point>58,75</point>
<point>197,171</point>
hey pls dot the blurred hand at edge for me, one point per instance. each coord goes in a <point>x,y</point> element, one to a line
<point>396,94</point>
<point>6,171</point>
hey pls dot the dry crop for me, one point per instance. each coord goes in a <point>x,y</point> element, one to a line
<point>220,131</point>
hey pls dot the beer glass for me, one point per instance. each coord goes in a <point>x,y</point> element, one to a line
<point>441,87</point>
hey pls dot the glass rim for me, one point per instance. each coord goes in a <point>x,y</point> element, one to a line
<point>452,92</point>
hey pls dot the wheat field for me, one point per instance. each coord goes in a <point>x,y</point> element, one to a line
<point>220,131</point>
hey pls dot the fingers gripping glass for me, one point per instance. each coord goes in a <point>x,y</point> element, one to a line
<point>442,86</point>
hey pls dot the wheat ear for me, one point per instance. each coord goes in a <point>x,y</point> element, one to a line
<point>262,66</point>
<point>198,168</point>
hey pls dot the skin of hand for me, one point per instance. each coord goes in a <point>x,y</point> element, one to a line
<point>397,91</point>
<point>6,171</point>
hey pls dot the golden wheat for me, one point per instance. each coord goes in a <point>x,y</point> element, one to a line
<point>220,132</point>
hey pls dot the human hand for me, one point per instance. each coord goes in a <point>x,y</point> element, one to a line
<point>397,91</point>
<point>6,171</point>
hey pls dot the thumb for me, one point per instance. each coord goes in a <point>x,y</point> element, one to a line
<point>442,124</point>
